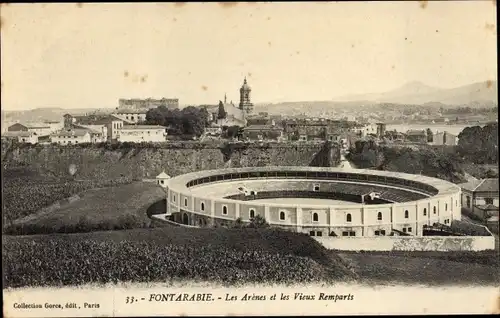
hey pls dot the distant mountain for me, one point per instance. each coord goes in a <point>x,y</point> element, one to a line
<point>417,93</point>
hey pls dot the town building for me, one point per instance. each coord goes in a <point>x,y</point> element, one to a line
<point>444,138</point>
<point>479,197</point>
<point>131,115</point>
<point>263,132</point>
<point>72,136</point>
<point>21,136</point>
<point>109,125</point>
<point>54,125</point>
<point>419,136</point>
<point>148,103</point>
<point>365,130</point>
<point>213,130</point>
<point>40,130</point>
<point>142,133</point>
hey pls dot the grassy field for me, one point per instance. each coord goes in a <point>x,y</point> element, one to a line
<point>26,190</point>
<point>119,207</point>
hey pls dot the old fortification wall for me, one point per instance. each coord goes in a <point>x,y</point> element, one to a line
<point>400,243</point>
<point>107,161</point>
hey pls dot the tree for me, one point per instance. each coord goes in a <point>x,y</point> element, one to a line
<point>155,117</point>
<point>258,222</point>
<point>232,131</point>
<point>222,112</point>
<point>479,145</point>
<point>188,121</point>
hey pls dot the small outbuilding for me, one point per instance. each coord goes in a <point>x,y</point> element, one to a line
<point>162,178</point>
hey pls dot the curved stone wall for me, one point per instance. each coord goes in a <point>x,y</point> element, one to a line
<point>437,201</point>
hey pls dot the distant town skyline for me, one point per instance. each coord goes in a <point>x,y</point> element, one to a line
<point>90,55</point>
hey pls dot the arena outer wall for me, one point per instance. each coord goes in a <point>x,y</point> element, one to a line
<point>198,209</point>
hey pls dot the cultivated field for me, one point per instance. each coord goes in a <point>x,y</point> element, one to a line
<point>226,256</point>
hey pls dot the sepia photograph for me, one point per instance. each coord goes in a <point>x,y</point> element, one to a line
<point>249,158</point>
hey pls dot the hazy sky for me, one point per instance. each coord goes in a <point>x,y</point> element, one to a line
<point>65,55</point>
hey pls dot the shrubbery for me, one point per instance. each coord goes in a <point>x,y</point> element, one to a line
<point>226,256</point>
<point>427,161</point>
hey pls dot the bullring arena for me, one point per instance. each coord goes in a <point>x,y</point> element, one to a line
<point>317,201</point>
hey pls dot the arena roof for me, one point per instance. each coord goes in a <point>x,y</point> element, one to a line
<point>179,183</point>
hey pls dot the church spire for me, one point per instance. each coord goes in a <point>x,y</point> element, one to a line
<point>225,98</point>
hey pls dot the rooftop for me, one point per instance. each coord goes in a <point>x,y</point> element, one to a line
<point>18,134</point>
<point>444,188</point>
<point>484,185</point>
<point>72,132</point>
<point>145,127</point>
<point>163,175</point>
<point>262,127</point>
<point>131,111</point>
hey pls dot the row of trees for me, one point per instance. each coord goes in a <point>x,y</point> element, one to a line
<point>189,121</point>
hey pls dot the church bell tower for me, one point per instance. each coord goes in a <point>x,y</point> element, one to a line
<point>245,102</point>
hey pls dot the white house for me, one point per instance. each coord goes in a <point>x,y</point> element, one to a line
<point>98,133</point>
<point>71,136</point>
<point>366,129</point>
<point>142,133</point>
<point>21,136</point>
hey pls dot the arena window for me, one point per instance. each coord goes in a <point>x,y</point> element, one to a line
<point>382,232</point>
<point>434,210</point>
<point>312,233</point>
<point>345,233</point>
<point>348,217</point>
<point>224,210</point>
<point>409,229</point>
<point>352,233</point>
<point>406,214</point>
<point>185,202</point>
<point>379,216</point>
<point>282,215</point>
<point>446,206</point>
<point>202,206</point>
<point>425,211</point>
<point>316,187</point>
<point>319,233</point>
<point>315,217</point>
<point>252,213</point>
